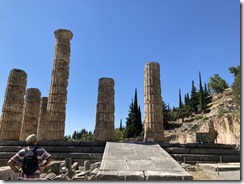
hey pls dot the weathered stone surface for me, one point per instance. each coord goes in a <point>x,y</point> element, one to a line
<point>87,165</point>
<point>153,126</point>
<point>58,91</point>
<point>31,113</point>
<point>139,161</point>
<point>104,130</point>
<point>6,173</point>
<point>42,120</point>
<point>12,111</point>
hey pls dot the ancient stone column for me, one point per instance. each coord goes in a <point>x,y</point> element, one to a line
<point>57,98</point>
<point>42,120</point>
<point>31,113</point>
<point>104,129</point>
<point>153,126</point>
<point>12,111</point>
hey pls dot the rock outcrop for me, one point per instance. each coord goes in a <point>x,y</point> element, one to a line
<point>220,123</point>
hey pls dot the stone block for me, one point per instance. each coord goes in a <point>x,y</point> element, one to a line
<point>164,175</point>
<point>7,174</point>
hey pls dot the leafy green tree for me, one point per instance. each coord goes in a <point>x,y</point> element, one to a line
<point>235,70</point>
<point>83,135</point>
<point>74,136</point>
<point>236,86</point>
<point>194,98</point>
<point>119,135</point>
<point>184,112</point>
<point>217,84</point>
<point>174,114</point>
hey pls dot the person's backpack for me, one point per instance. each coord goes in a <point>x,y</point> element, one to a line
<point>30,163</point>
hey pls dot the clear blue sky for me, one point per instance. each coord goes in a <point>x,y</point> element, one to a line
<point>115,39</point>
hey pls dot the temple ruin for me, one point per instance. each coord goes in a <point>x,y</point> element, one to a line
<point>153,126</point>
<point>42,120</point>
<point>12,111</point>
<point>31,113</point>
<point>57,98</point>
<point>46,117</point>
<point>104,129</point>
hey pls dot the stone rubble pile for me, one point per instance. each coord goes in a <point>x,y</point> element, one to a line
<point>63,170</point>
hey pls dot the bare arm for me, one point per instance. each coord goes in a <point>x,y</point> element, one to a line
<point>12,165</point>
<point>48,161</point>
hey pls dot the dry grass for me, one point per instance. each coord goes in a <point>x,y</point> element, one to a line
<point>203,175</point>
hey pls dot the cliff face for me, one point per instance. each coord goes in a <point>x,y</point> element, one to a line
<point>220,123</point>
<point>226,126</point>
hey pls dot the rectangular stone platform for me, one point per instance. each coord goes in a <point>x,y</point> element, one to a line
<point>139,161</point>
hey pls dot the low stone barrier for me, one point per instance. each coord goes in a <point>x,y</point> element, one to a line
<point>7,174</point>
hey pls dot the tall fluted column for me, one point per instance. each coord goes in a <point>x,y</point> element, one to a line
<point>42,120</point>
<point>104,129</point>
<point>31,113</point>
<point>153,127</point>
<point>58,91</point>
<point>12,111</point>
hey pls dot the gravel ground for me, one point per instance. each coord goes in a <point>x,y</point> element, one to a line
<point>213,175</point>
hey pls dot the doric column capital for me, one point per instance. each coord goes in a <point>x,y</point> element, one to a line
<point>63,34</point>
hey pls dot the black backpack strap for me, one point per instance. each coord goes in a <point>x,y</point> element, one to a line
<point>34,150</point>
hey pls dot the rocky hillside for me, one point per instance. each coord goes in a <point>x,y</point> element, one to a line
<point>220,122</point>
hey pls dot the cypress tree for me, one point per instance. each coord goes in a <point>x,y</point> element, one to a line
<point>131,122</point>
<point>137,112</point>
<point>120,126</point>
<point>134,121</point>
<point>206,91</point>
<point>180,100</point>
<point>201,95</point>
<point>194,98</point>
<point>139,120</point>
<point>187,100</point>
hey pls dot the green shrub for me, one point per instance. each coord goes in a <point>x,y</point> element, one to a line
<point>221,112</point>
<point>198,117</point>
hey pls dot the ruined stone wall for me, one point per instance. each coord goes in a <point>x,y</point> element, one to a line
<point>31,113</point>
<point>58,91</point>
<point>12,111</point>
<point>42,120</point>
<point>104,129</point>
<point>153,126</point>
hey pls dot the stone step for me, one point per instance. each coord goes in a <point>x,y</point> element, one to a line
<point>202,151</point>
<point>200,158</point>
<point>57,149</point>
<point>197,145</point>
<point>220,166</point>
<point>57,143</point>
<point>60,155</point>
<point>10,148</point>
<point>73,149</point>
